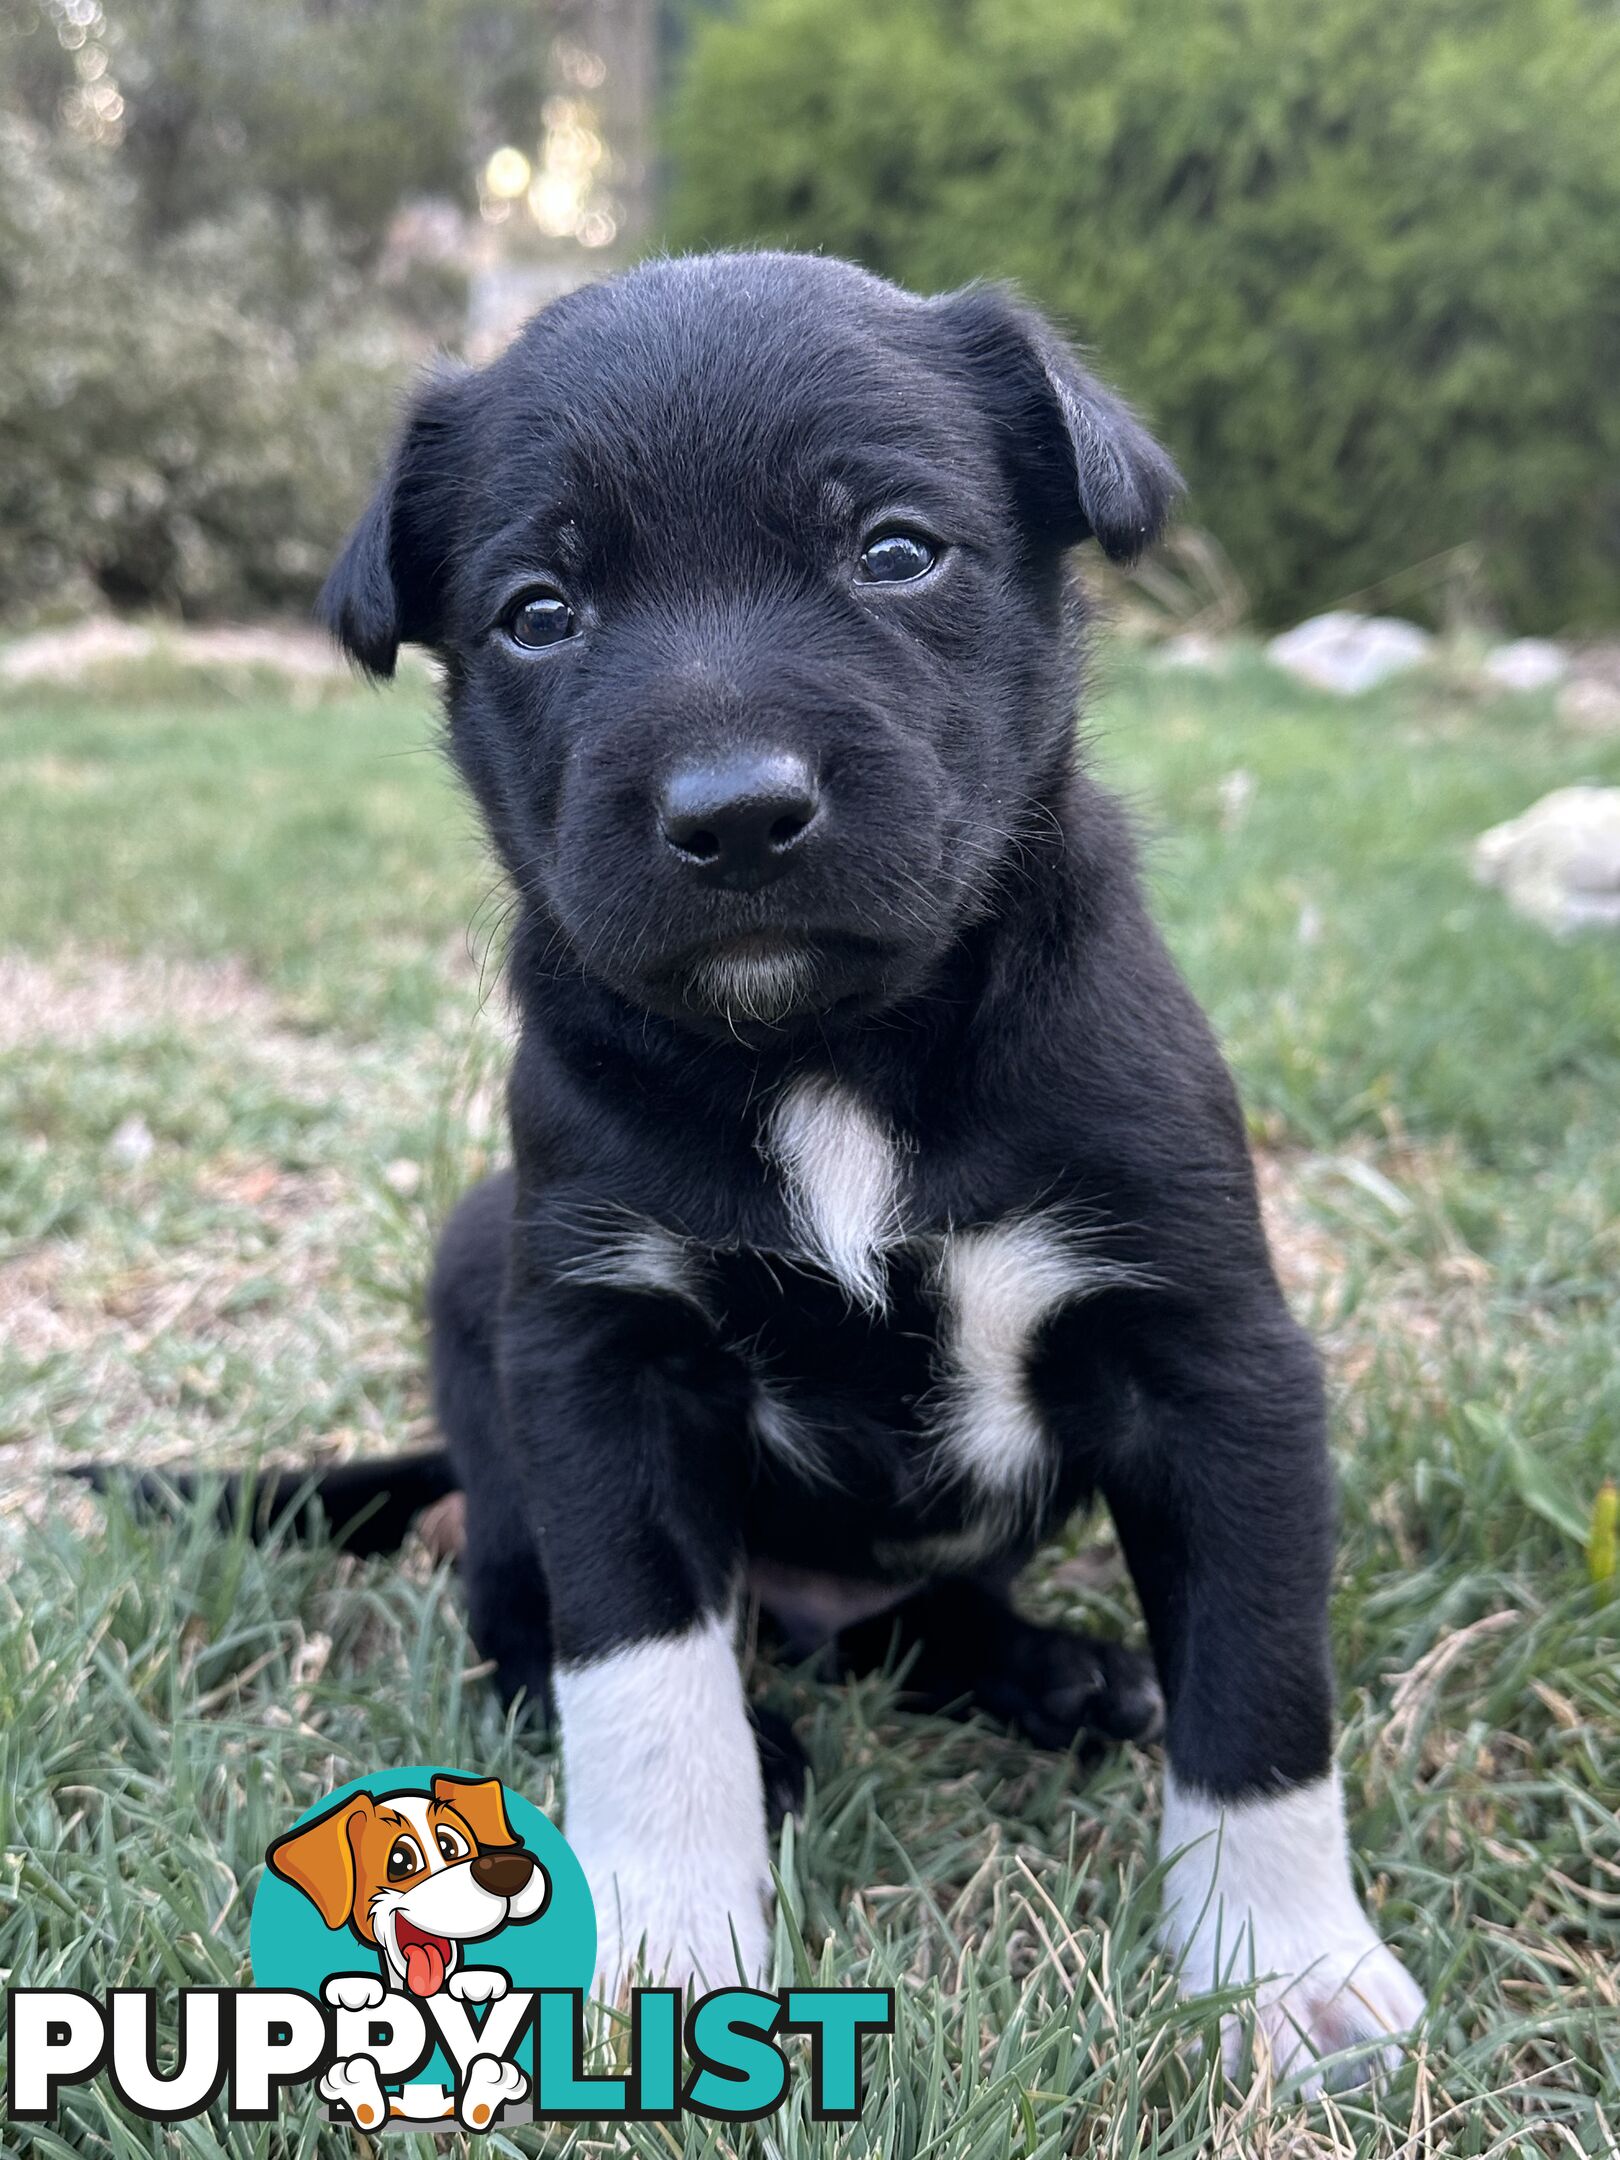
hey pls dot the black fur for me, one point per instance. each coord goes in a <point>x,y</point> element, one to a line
<point>691,456</point>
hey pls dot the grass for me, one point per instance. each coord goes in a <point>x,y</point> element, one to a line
<point>247,1055</point>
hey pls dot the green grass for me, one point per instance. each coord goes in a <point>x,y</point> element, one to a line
<point>246,1058</point>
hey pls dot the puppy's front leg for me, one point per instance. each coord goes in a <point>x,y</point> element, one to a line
<point>1225,1508</point>
<point>634,1482</point>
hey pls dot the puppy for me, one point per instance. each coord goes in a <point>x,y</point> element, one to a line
<point>879,1195</point>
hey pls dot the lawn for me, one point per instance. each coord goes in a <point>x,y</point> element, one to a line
<point>251,1039</point>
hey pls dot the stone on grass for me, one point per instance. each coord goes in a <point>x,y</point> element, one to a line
<point>1528,663</point>
<point>132,1144</point>
<point>292,650</point>
<point>1349,653</point>
<point>1559,863</point>
<point>1194,649</point>
<point>66,655</point>
<point>1590,705</point>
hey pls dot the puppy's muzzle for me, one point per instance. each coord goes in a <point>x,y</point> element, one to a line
<point>740,821</point>
<point>503,1874</point>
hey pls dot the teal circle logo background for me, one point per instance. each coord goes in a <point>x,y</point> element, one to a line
<point>291,1946</point>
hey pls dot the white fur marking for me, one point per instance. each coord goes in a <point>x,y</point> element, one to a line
<point>786,1436</point>
<point>643,1255</point>
<point>1261,1890</point>
<point>666,1809</point>
<point>843,1181</point>
<point>998,1286</point>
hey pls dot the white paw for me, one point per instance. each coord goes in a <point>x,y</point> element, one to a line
<point>355,2085</point>
<point>675,1936</point>
<point>488,2086</point>
<point>478,1984</point>
<point>1260,1891</point>
<point>353,1991</point>
<point>1347,2000</point>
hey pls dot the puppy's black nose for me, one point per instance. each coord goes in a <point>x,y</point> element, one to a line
<point>503,1874</point>
<point>736,822</point>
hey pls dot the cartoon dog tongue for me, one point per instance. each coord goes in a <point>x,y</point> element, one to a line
<point>424,1964</point>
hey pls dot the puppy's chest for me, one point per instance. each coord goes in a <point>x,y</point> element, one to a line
<point>891,1356</point>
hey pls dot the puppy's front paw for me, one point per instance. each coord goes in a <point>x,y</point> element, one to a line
<point>354,2084</point>
<point>489,2085</point>
<point>478,1984</point>
<point>353,1991</point>
<point>677,1933</point>
<point>1352,1997</point>
<point>1260,1890</point>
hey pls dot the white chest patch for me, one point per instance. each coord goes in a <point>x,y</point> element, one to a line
<point>996,1287</point>
<point>842,1172</point>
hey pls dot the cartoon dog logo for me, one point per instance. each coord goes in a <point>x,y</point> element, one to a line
<point>414,1876</point>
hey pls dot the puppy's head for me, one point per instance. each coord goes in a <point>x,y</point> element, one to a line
<point>746,574</point>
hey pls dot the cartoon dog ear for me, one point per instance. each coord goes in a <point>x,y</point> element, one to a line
<point>1087,465</point>
<point>319,1858</point>
<point>386,587</point>
<point>481,1804</point>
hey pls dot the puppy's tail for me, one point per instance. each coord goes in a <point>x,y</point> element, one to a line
<point>369,1506</point>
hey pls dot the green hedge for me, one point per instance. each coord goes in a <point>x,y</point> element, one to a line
<point>1358,261</point>
<point>189,425</point>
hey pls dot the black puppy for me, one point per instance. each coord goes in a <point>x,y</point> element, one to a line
<point>879,1195</point>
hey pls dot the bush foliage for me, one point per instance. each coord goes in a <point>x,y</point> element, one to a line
<point>1357,262</point>
<point>190,424</point>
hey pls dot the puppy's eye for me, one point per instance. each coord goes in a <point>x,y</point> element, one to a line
<point>452,1845</point>
<point>404,1858</point>
<point>538,619</point>
<point>896,558</point>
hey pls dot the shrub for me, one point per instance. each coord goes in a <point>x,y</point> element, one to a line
<point>189,424</point>
<point>1357,261</point>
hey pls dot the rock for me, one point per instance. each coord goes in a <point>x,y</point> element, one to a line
<point>1192,649</point>
<point>1559,863</point>
<point>132,1144</point>
<point>1528,663</point>
<point>1349,653</point>
<point>1591,705</point>
<point>65,655</point>
<point>285,649</point>
<point>1235,792</point>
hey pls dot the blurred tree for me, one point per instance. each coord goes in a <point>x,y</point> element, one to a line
<point>348,106</point>
<point>1359,262</point>
<point>197,369</point>
<point>190,422</point>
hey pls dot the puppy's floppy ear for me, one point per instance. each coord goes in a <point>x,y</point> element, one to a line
<point>1087,465</point>
<point>319,1858</point>
<point>386,588</point>
<point>481,1805</point>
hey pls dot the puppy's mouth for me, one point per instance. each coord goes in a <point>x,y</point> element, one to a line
<point>426,1956</point>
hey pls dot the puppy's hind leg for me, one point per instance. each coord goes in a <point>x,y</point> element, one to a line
<point>507,1608</point>
<point>967,1649</point>
<point>783,1764</point>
